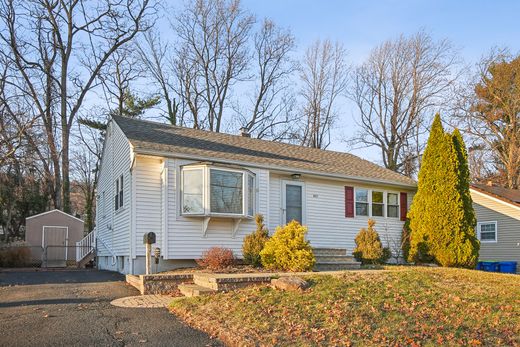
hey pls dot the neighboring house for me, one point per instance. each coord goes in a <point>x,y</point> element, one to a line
<point>498,222</point>
<point>197,189</point>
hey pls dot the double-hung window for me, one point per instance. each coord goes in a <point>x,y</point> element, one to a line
<point>118,197</point>
<point>361,202</point>
<point>378,204</point>
<point>392,208</point>
<point>209,190</point>
<point>487,231</point>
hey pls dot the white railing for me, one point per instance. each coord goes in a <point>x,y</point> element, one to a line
<point>114,259</point>
<point>86,245</point>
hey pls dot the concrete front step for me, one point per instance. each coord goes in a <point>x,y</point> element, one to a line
<point>334,258</point>
<point>226,282</point>
<point>329,251</point>
<point>190,290</point>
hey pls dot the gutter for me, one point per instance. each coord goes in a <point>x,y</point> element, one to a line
<point>273,167</point>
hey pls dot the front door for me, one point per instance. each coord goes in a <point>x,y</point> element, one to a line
<point>293,202</point>
<point>55,241</point>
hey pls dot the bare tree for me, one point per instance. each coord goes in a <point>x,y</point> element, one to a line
<point>270,113</point>
<point>212,55</point>
<point>323,74</point>
<point>401,85</point>
<point>57,50</point>
<point>489,114</point>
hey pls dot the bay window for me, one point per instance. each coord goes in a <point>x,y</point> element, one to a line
<point>209,190</point>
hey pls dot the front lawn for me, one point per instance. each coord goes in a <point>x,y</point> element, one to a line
<point>404,306</point>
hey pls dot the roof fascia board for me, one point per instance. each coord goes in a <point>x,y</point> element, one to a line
<point>495,199</point>
<point>273,167</point>
<point>55,210</point>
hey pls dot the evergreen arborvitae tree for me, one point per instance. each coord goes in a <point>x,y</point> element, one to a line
<point>470,250</point>
<point>441,215</point>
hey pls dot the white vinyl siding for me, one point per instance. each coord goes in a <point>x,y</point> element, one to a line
<point>112,226</point>
<point>325,213</point>
<point>148,200</point>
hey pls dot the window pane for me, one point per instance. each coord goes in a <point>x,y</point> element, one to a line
<point>361,209</point>
<point>226,192</point>
<point>377,197</point>
<point>393,211</point>
<point>251,195</point>
<point>293,203</point>
<point>392,199</point>
<point>362,195</point>
<point>487,227</point>
<point>377,210</point>
<point>488,236</point>
<point>192,191</point>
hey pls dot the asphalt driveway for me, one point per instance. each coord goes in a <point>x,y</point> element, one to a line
<point>72,308</point>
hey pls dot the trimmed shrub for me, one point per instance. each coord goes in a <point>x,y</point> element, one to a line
<point>287,249</point>
<point>369,249</point>
<point>254,243</point>
<point>217,258</point>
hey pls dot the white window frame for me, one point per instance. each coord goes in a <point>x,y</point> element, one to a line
<point>479,225</point>
<point>206,191</point>
<point>385,203</point>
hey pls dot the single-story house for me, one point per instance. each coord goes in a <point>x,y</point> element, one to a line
<point>498,222</point>
<point>52,236</point>
<point>197,189</point>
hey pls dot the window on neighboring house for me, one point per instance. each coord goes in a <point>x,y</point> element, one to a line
<point>487,231</point>
<point>361,202</point>
<point>209,190</point>
<point>118,197</point>
<point>378,204</point>
<point>192,191</point>
<point>392,200</point>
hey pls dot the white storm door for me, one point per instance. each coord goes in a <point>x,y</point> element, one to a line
<point>293,202</point>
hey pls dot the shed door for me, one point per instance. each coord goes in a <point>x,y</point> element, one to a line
<point>55,241</point>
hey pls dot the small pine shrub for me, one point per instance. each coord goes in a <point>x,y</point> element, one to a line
<point>254,243</point>
<point>217,258</point>
<point>387,254</point>
<point>369,249</point>
<point>287,249</point>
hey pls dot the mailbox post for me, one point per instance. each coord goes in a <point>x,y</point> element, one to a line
<point>148,240</point>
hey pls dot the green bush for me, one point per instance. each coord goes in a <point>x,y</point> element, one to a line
<point>254,243</point>
<point>287,249</point>
<point>369,249</point>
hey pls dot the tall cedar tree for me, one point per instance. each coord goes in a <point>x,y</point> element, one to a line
<point>441,215</point>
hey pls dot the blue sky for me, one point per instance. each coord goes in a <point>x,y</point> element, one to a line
<point>473,27</point>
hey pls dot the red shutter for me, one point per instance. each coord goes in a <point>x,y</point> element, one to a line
<point>404,205</point>
<point>349,202</point>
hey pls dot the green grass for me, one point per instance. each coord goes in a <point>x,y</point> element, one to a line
<point>403,306</point>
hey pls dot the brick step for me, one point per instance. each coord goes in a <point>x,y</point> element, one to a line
<point>329,251</point>
<point>190,290</point>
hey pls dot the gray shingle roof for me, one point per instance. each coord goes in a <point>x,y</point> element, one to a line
<point>162,139</point>
<point>505,194</point>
